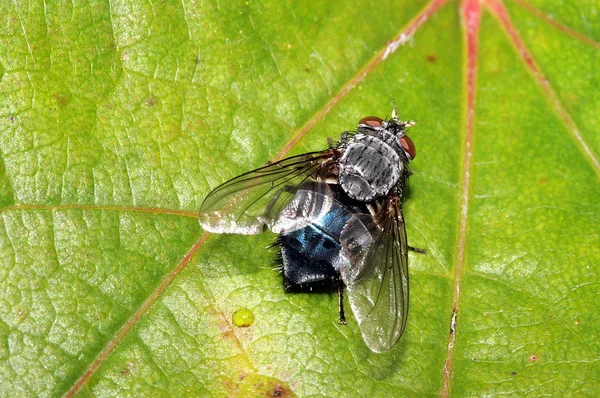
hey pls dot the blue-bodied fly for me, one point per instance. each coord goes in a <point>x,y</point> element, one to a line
<point>338,213</point>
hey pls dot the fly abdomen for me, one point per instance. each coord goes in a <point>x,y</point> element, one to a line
<point>310,253</point>
<point>309,257</point>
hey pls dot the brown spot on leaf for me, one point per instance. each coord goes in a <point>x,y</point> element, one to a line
<point>532,358</point>
<point>222,322</point>
<point>431,58</point>
<point>256,385</point>
<point>228,334</point>
<point>277,391</point>
<point>229,385</point>
<point>127,371</point>
<point>60,99</point>
<point>151,101</point>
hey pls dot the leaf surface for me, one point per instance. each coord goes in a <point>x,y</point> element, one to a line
<point>118,118</point>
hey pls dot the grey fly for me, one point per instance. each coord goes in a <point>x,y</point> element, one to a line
<point>338,213</point>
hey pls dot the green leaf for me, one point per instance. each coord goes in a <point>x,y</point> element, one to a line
<point>117,119</point>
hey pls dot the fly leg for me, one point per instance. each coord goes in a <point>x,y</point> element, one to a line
<point>341,302</point>
<point>417,250</point>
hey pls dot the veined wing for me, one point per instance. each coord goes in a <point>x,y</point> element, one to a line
<point>375,271</point>
<point>253,200</point>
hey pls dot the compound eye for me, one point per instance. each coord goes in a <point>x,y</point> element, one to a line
<point>372,121</point>
<point>408,146</point>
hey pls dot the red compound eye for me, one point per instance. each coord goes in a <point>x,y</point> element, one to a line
<point>408,146</point>
<point>372,121</point>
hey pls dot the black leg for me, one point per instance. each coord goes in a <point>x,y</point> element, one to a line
<point>341,302</point>
<point>417,250</point>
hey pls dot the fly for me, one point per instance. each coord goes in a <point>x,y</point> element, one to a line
<point>338,213</point>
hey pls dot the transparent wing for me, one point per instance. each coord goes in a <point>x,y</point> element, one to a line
<point>245,204</point>
<point>375,271</point>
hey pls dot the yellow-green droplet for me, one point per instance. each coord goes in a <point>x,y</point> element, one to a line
<point>243,318</point>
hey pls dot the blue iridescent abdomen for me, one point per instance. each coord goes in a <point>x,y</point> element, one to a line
<point>310,255</point>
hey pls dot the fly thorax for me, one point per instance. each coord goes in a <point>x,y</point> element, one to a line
<point>370,166</point>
